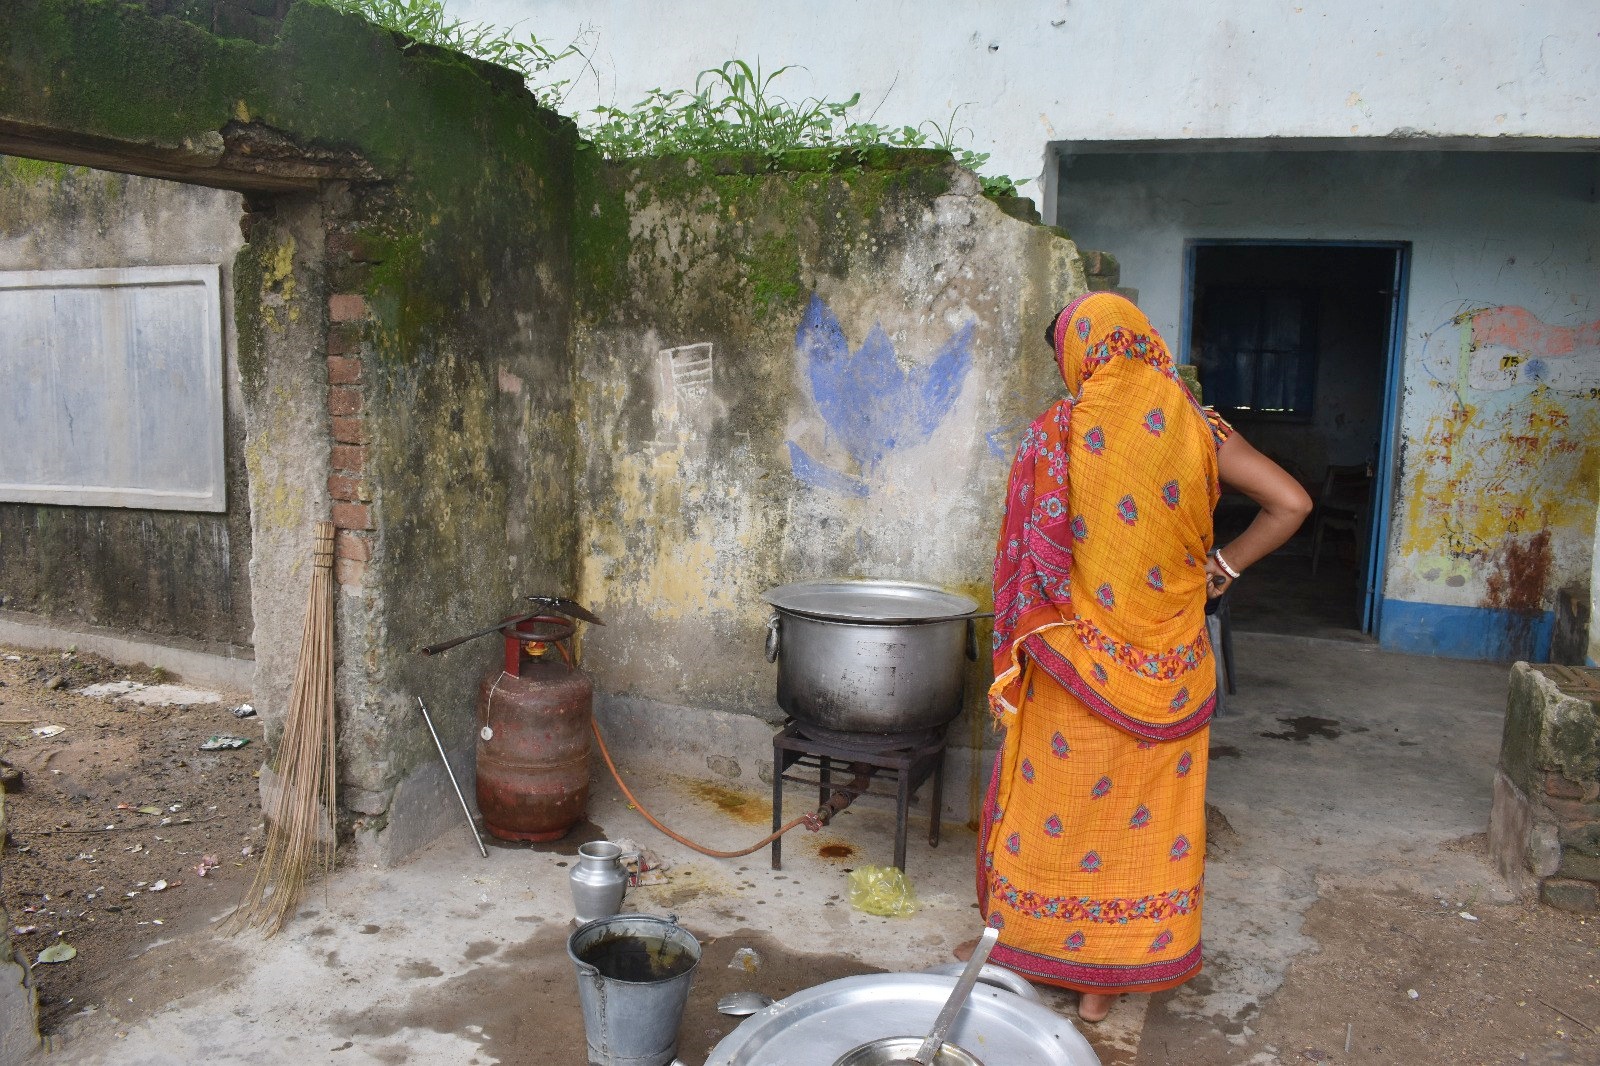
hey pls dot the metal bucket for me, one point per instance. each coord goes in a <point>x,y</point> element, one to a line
<point>634,972</point>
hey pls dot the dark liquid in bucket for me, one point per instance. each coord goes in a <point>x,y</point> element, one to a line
<point>637,958</point>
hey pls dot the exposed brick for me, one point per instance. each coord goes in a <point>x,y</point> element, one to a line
<point>354,247</point>
<point>1563,787</point>
<point>344,400</point>
<point>1573,812</point>
<point>349,457</point>
<point>352,516</point>
<point>349,276</point>
<point>1570,895</point>
<point>345,488</point>
<point>349,430</point>
<point>343,370</point>
<point>349,571</point>
<point>344,339</point>
<point>351,545</point>
<point>347,307</point>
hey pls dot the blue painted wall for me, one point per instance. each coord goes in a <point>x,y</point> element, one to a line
<point>1465,632</point>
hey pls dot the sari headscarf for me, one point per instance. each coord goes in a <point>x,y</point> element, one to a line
<point>1099,573</point>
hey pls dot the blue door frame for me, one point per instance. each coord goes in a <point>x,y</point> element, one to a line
<point>1385,474</point>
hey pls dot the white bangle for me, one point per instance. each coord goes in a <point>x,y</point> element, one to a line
<point>1226,569</point>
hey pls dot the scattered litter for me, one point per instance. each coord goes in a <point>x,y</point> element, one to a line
<point>644,866</point>
<point>223,743</point>
<point>24,930</point>
<point>159,886</point>
<point>175,807</point>
<point>247,851</point>
<point>746,959</point>
<point>13,658</point>
<point>207,862</point>
<point>49,730</point>
<point>60,951</point>
<point>244,710</point>
<point>1412,992</point>
<point>882,890</point>
<point>1469,917</point>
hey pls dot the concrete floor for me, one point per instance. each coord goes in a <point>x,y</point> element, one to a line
<point>1336,764</point>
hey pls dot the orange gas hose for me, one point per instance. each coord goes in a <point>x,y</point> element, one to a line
<point>685,841</point>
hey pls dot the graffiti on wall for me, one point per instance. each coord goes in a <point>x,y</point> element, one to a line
<point>1502,462</point>
<point>871,403</point>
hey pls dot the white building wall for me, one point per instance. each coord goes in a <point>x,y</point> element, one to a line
<point>1495,500</point>
<point>1024,74</point>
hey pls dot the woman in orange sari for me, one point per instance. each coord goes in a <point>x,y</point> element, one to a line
<point>1092,848</point>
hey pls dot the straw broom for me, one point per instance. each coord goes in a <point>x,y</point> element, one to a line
<point>300,824</point>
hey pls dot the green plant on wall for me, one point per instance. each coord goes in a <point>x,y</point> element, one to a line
<point>732,108</point>
<point>427,22</point>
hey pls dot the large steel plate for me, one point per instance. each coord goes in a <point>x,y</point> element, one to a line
<point>872,602</point>
<point>814,1027</point>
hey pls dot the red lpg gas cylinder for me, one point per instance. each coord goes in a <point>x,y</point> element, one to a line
<point>533,735</point>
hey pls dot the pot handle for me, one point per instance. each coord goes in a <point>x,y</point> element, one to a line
<point>772,639</point>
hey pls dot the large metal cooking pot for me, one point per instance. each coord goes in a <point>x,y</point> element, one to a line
<point>817,1025</point>
<point>870,656</point>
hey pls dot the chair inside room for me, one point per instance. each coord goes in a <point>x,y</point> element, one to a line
<point>1342,505</point>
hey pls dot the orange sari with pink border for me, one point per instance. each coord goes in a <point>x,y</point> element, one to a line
<point>1092,847</point>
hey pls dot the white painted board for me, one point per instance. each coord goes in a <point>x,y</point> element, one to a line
<point>111,387</point>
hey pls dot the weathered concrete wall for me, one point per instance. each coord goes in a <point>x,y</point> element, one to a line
<point>1496,482</point>
<point>1249,69</point>
<point>791,376</point>
<point>159,574</point>
<point>402,310</point>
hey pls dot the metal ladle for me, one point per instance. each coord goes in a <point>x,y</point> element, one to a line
<point>889,1051</point>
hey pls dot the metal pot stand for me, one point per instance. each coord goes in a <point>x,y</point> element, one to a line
<point>909,758</point>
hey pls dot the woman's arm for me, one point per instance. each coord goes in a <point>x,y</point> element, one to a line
<point>1284,505</point>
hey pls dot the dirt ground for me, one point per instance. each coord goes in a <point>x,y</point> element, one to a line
<point>1515,983</point>
<point>99,815</point>
<point>1408,979</point>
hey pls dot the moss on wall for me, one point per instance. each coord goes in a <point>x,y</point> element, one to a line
<point>706,488</point>
<point>457,189</point>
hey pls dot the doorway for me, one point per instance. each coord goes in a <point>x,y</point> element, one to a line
<point>1296,344</point>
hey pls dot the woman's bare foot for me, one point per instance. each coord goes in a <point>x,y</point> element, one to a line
<point>1093,1007</point>
<point>963,951</point>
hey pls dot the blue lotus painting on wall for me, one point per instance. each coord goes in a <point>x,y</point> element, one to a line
<point>870,403</point>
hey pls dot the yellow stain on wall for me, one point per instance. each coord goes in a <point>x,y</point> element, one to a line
<point>278,285</point>
<point>1490,466</point>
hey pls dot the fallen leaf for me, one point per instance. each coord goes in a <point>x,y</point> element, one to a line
<point>60,951</point>
<point>49,730</point>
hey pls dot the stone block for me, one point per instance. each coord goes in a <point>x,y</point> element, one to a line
<point>1547,730</point>
<point>1584,838</point>
<point>1570,895</point>
<point>364,801</point>
<point>1576,864</point>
